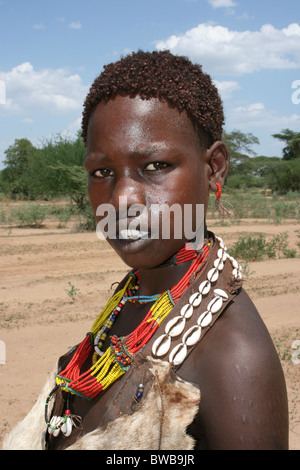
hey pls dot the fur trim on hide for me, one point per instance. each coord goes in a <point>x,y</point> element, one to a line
<point>160,421</point>
<point>29,433</point>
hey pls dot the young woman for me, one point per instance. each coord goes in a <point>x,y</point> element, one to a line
<point>179,358</point>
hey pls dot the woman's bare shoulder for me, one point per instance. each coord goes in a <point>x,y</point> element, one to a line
<point>241,382</point>
<point>238,335</point>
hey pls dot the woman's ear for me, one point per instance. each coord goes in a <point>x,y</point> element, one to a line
<point>218,159</point>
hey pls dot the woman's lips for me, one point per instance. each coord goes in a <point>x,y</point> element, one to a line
<point>130,242</point>
<point>133,234</point>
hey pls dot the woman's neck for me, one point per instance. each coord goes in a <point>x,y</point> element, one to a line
<point>164,277</point>
<point>157,280</point>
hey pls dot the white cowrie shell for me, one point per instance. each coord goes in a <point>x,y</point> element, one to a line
<point>236,273</point>
<point>186,311</point>
<point>52,423</point>
<point>192,335</point>
<point>206,320</point>
<point>220,253</point>
<point>221,293</point>
<point>56,422</point>
<point>204,287</point>
<point>175,326</point>
<point>213,275</point>
<point>66,428</point>
<point>219,264</point>
<point>234,262</point>
<point>178,354</point>
<point>215,304</point>
<point>161,345</point>
<point>200,318</point>
<point>195,299</point>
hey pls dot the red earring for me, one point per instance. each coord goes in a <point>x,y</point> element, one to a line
<point>219,206</point>
<point>218,193</point>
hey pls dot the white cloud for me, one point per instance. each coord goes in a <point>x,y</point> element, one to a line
<point>226,88</point>
<point>2,92</point>
<point>27,121</point>
<point>75,25</point>
<point>72,128</point>
<point>46,91</point>
<point>223,51</point>
<point>253,109</point>
<point>221,3</point>
<point>39,26</point>
<point>257,116</point>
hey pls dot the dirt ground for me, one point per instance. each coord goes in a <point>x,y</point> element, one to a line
<point>53,284</point>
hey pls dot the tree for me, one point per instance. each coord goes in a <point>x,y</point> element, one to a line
<point>292,140</point>
<point>54,169</point>
<point>242,171</point>
<point>240,148</point>
<point>284,176</point>
<point>16,164</point>
<point>239,142</point>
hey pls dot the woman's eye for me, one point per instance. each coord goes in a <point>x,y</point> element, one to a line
<point>156,166</point>
<point>102,173</point>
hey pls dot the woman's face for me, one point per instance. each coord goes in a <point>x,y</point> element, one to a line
<point>143,156</point>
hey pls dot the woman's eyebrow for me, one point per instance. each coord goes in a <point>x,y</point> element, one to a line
<point>94,156</point>
<point>138,153</point>
<point>153,149</point>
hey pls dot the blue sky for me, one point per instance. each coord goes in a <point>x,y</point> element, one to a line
<point>52,50</point>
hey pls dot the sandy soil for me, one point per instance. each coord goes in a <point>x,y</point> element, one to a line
<point>40,318</point>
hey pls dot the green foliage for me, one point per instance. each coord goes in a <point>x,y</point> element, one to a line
<point>292,140</point>
<point>258,247</point>
<point>242,181</point>
<point>52,170</point>
<point>239,143</point>
<point>248,170</point>
<point>284,176</point>
<point>29,215</point>
<point>72,291</point>
<point>240,148</point>
<point>258,204</point>
<point>17,161</point>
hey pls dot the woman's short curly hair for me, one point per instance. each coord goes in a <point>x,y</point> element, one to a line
<point>174,79</point>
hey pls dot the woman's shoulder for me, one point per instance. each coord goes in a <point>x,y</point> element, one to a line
<point>239,339</point>
<point>241,382</point>
<point>242,327</point>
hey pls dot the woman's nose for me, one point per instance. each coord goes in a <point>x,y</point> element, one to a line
<point>127,193</point>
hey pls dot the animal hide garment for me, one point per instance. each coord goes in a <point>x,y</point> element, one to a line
<point>29,434</point>
<point>160,421</point>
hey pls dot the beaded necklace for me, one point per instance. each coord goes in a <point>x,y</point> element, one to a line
<point>112,363</point>
<point>108,366</point>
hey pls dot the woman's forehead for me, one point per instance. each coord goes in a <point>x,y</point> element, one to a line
<point>141,120</point>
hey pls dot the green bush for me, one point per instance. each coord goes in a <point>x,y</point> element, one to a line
<point>28,215</point>
<point>258,247</point>
<point>284,176</point>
